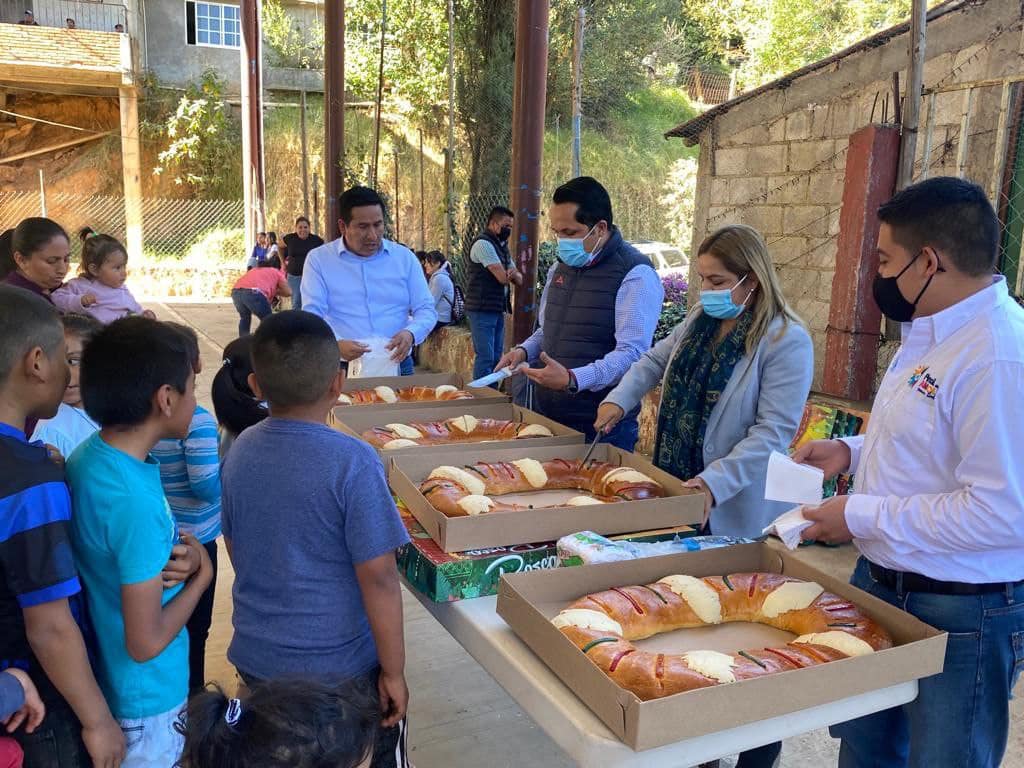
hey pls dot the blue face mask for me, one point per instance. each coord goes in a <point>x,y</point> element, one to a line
<point>719,304</point>
<point>571,251</point>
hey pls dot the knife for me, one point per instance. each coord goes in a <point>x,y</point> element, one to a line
<point>492,378</point>
<point>590,450</point>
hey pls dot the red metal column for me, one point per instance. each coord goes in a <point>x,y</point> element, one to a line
<point>253,183</point>
<point>531,67</point>
<point>854,323</point>
<point>334,112</point>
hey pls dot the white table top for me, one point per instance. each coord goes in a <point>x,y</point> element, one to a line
<point>476,625</point>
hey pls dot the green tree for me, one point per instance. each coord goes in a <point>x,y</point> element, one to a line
<point>288,44</point>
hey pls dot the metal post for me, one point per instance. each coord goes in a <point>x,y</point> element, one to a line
<point>423,204</point>
<point>253,181</point>
<point>449,159</point>
<point>732,83</point>
<point>305,154</point>
<point>397,204</point>
<point>577,91</point>
<point>912,107</point>
<point>380,93</point>
<point>531,69</point>
<point>42,195</point>
<point>334,111</point>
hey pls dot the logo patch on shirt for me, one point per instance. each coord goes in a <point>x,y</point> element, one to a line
<point>923,382</point>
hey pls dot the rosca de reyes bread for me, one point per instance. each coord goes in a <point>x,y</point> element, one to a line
<point>603,626</point>
<point>461,429</point>
<point>460,491</point>
<point>384,394</point>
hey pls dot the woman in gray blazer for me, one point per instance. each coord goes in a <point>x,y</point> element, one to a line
<point>734,379</point>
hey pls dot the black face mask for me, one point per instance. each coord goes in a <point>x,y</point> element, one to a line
<point>504,233</point>
<point>891,300</point>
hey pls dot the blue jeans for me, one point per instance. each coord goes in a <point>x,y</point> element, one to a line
<point>248,303</point>
<point>406,367</point>
<point>623,435</point>
<point>57,742</point>
<point>295,283</point>
<point>961,717</point>
<point>488,330</point>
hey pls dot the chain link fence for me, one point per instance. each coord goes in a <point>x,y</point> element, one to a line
<point>174,229</point>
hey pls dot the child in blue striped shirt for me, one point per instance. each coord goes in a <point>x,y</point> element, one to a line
<point>190,473</point>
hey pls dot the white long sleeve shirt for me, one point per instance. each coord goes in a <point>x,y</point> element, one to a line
<point>940,473</point>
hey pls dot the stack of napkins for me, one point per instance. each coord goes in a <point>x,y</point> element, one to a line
<point>796,484</point>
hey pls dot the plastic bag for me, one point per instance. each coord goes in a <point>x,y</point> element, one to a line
<point>588,547</point>
<point>376,362</point>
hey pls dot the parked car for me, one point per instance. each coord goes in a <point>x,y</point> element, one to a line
<point>665,258</point>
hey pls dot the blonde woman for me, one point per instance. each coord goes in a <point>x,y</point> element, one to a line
<point>734,375</point>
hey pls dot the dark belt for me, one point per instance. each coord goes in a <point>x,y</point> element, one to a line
<point>915,582</point>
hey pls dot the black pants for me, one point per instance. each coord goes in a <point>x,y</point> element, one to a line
<point>390,749</point>
<point>760,757</point>
<point>57,742</point>
<point>199,628</point>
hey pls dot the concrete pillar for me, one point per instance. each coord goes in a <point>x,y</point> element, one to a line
<point>131,164</point>
<point>854,323</point>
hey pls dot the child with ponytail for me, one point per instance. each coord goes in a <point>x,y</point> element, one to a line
<point>99,289</point>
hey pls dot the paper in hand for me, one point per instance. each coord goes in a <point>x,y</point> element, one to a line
<point>791,482</point>
<point>789,527</point>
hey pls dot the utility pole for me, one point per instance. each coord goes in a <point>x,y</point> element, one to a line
<point>334,112</point>
<point>254,179</point>
<point>305,154</point>
<point>577,91</point>
<point>449,155</point>
<point>397,203</point>
<point>423,204</point>
<point>317,224</point>
<point>380,93</point>
<point>531,70</point>
<point>912,102</point>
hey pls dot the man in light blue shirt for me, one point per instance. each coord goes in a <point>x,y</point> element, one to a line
<point>366,286</point>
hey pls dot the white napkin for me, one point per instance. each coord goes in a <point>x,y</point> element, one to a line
<point>791,482</point>
<point>789,526</point>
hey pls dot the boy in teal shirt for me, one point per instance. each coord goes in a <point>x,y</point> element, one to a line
<point>138,385</point>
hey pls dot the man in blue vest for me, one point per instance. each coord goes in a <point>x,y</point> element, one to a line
<point>489,273</point>
<point>600,306</point>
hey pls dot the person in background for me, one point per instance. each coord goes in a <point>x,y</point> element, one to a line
<point>938,507</point>
<point>100,290</point>
<point>366,286</point>
<point>439,281</point>
<point>40,594</point>
<point>600,306</point>
<point>139,386</point>
<point>119,28</point>
<point>281,724</point>
<point>236,406</point>
<point>313,534</point>
<point>19,705</point>
<point>70,23</point>
<point>41,253</point>
<point>272,247</point>
<point>29,20</point>
<point>190,474</point>
<point>491,271</point>
<point>297,246</point>
<point>259,251</point>
<point>6,254</point>
<point>254,292</point>
<point>72,425</point>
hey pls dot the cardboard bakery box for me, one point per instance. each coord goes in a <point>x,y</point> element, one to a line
<point>681,506</point>
<point>528,601</point>
<point>447,577</point>
<point>480,394</point>
<point>355,421</point>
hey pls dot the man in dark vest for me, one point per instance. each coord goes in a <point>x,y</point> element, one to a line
<point>600,306</point>
<point>490,272</point>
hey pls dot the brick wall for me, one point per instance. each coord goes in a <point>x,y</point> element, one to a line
<point>50,47</point>
<point>776,161</point>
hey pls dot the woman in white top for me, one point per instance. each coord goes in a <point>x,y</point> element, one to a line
<point>71,425</point>
<point>439,281</point>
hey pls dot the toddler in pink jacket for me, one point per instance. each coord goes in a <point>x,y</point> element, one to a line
<point>99,289</point>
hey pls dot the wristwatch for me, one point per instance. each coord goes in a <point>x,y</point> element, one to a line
<point>572,387</point>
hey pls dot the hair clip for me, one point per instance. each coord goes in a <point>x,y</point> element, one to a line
<point>226,361</point>
<point>233,713</point>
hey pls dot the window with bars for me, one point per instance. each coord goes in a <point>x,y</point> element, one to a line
<point>213,24</point>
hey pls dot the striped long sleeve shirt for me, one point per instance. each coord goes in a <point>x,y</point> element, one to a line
<point>190,473</point>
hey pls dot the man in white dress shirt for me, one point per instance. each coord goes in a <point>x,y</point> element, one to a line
<point>938,513</point>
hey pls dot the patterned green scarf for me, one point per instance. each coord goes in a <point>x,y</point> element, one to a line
<point>696,379</point>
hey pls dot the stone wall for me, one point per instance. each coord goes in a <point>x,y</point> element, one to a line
<point>451,350</point>
<point>157,283</point>
<point>776,161</point>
